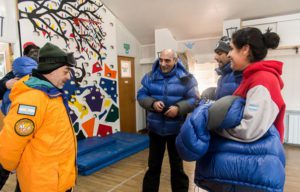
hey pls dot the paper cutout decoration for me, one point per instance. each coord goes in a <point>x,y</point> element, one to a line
<point>113,114</point>
<point>102,114</point>
<point>73,116</point>
<point>96,67</point>
<point>80,135</point>
<point>81,108</point>
<point>109,72</point>
<point>94,100</point>
<point>110,87</point>
<point>76,127</point>
<point>107,103</point>
<point>72,87</point>
<point>88,127</point>
<point>104,130</point>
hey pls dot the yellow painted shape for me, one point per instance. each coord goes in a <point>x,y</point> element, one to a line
<point>30,9</point>
<point>81,108</point>
<point>107,103</point>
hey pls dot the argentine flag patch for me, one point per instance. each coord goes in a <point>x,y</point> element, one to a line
<point>253,107</point>
<point>27,110</point>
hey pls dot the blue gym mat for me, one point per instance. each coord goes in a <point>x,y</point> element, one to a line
<point>96,153</point>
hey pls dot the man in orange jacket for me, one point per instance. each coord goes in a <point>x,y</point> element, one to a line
<point>38,139</point>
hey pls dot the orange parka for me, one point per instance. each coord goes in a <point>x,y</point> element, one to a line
<point>38,139</point>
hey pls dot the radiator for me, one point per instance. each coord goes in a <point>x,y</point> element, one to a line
<point>293,129</point>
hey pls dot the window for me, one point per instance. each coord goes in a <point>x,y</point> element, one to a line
<point>206,75</point>
<point>2,65</point>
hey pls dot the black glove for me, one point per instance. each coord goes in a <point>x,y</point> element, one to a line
<point>209,93</point>
<point>3,176</point>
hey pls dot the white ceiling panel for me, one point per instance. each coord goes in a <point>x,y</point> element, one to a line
<point>190,19</point>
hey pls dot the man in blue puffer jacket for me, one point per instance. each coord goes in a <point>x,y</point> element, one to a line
<point>168,93</point>
<point>228,165</point>
<point>229,80</point>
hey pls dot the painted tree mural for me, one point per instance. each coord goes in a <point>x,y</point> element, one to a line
<point>82,27</point>
<point>51,18</point>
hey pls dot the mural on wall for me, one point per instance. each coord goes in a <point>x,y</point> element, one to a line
<point>86,28</point>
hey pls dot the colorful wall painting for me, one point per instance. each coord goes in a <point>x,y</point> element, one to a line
<point>85,27</point>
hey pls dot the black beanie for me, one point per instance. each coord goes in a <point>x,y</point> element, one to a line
<point>223,45</point>
<point>51,57</point>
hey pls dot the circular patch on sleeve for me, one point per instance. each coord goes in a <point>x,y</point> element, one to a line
<point>24,127</point>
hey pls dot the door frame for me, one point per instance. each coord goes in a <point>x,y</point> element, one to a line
<point>132,59</point>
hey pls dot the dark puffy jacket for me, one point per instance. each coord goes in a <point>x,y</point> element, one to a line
<point>3,81</point>
<point>21,66</point>
<point>227,165</point>
<point>228,81</point>
<point>177,87</point>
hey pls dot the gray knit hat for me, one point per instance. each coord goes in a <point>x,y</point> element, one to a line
<point>51,57</point>
<point>223,45</point>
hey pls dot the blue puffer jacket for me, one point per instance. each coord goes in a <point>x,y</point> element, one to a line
<point>178,87</point>
<point>228,81</point>
<point>227,165</point>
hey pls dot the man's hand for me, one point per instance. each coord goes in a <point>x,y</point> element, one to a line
<point>172,111</point>
<point>9,84</point>
<point>158,106</point>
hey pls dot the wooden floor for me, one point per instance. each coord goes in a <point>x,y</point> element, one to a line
<point>127,175</point>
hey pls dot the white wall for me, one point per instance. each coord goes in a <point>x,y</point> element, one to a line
<point>290,76</point>
<point>200,47</point>
<point>10,26</point>
<point>231,24</point>
<point>124,36</point>
<point>8,11</point>
<point>287,27</point>
<point>147,54</point>
<point>164,40</point>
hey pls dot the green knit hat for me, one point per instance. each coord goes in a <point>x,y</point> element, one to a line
<point>51,57</point>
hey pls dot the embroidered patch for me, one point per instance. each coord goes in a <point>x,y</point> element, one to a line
<point>27,110</point>
<point>24,127</point>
